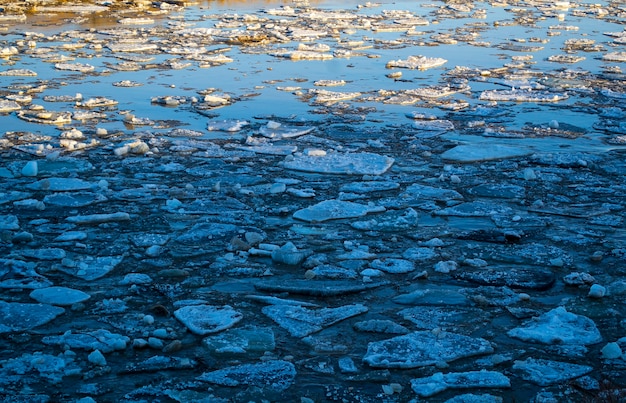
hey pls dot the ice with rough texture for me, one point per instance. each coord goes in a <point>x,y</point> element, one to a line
<point>559,326</point>
<point>60,184</point>
<point>276,375</point>
<point>547,372</point>
<point>431,385</point>
<point>92,268</point>
<point>99,339</point>
<point>17,316</point>
<point>241,341</point>
<point>423,348</point>
<point>417,62</point>
<point>61,296</point>
<point>301,322</point>
<point>206,319</point>
<point>335,210</point>
<point>30,368</point>
<point>393,265</point>
<point>341,163</point>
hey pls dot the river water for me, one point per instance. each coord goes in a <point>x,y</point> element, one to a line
<point>275,200</point>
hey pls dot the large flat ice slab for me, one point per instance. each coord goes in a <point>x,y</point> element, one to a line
<point>301,322</point>
<point>17,317</point>
<point>484,152</point>
<point>335,210</point>
<point>273,375</point>
<point>423,348</point>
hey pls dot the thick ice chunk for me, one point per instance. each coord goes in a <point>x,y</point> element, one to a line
<point>206,319</point>
<point>417,62</point>
<point>559,327</point>
<point>423,348</point>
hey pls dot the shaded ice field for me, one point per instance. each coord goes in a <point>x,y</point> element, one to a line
<point>312,201</point>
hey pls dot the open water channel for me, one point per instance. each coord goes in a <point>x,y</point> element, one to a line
<point>228,201</point>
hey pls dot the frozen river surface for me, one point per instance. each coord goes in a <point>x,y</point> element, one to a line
<point>312,201</point>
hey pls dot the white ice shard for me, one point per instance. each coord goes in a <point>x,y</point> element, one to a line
<point>547,372</point>
<point>60,296</point>
<point>341,163</point>
<point>558,326</point>
<point>206,319</point>
<point>335,210</point>
<point>431,385</point>
<point>423,348</point>
<point>522,95</point>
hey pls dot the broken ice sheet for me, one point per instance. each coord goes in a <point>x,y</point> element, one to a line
<point>241,341</point>
<point>272,375</point>
<point>277,131</point>
<point>429,386</point>
<point>206,319</point>
<point>335,210</point>
<point>339,163</point>
<point>558,326</point>
<point>484,152</point>
<point>99,339</point>
<point>547,372</point>
<point>301,322</point>
<point>423,348</point>
<point>17,317</point>
<point>417,62</point>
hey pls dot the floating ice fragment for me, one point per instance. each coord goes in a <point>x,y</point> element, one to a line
<point>559,327</point>
<point>206,319</point>
<point>7,106</point>
<point>417,62</point>
<point>338,163</point>
<point>241,341</point>
<point>60,184</point>
<point>393,265</point>
<point>335,210</point>
<point>484,152</point>
<point>60,296</point>
<point>17,317</point>
<point>95,219</point>
<point>548,372</point>
<point>100,339</point>
<point>301,322</point>
<point>80,67</point>
<point>273,375</point>
<point>227,125</point>
<point>277,131</point>
<point>423,348</point>
<point>522,95</point>
<point>429,386</point>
